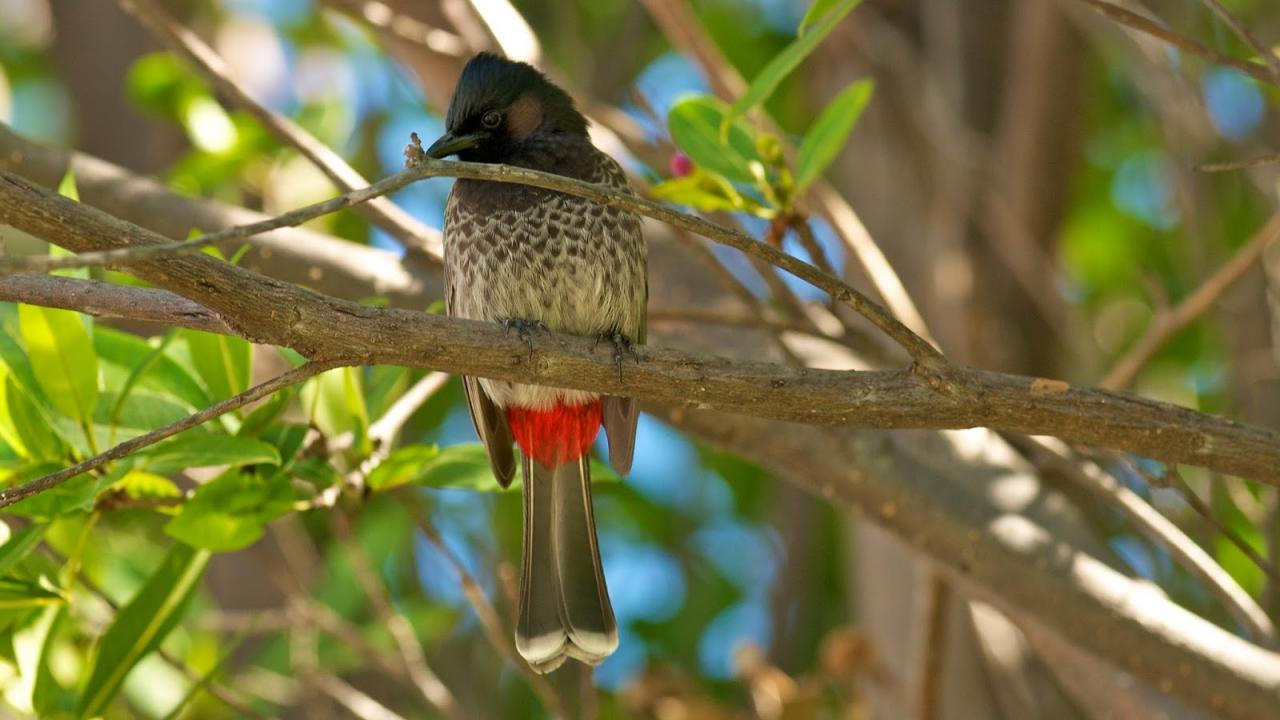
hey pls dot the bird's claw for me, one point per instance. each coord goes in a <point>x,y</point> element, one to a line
<point>622,346</point>
<point>524,329</point>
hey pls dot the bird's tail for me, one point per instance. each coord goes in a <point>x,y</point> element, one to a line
<point>564,608</point>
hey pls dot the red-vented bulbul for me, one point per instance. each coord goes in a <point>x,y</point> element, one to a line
<point>532,259</point>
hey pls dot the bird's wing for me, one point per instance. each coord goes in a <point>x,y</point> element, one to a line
<point>489,419</point>
<point>620,414</point>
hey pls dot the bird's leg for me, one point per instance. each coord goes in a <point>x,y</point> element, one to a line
<point>621,347</point>
<point>525,329</point>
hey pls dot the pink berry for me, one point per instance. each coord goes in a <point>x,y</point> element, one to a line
<point>680,165</point>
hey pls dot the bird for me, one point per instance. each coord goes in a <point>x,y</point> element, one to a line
<point>541,260</point>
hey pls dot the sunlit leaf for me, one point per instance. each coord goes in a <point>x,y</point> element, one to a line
<point>188,451</point>
<point>153,368</point>
<point>19,545</point>
<point>231,511</point>
<point>30,425</point>
<point>138,484</point>
<point>817,10</point>
<point>335,403</point>
<point>789,58</point>
<point>30,647</point>
<point>829,132</point>
<point>62,358</point>
<point>695,124</point>
<point>142,624</point>
<point>695,191</point>
<point>223,362</point>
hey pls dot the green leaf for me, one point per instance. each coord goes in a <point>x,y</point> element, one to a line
<point>264,416</point>
<point>193,450</point>
<point>696,123</point>
<point>335,403</point>
<point>141,410</point>
<point>19,544</point>
<point>403,465</point>
<point>21,594</point>
<point>74,495</point>
<point>231,511</point>
<point>139,484</point>
<point>30,647</point>
<point>817,10</point>
<point>824,140</point>
<point>62,359</point>
<point>463,467</point>
<point>32,428</point>
<point>694,190</point>
<point>155,370</point>
<point>790,57</point>
<point>141,625</point>
<point>67,186</point>
<point>223,362</point>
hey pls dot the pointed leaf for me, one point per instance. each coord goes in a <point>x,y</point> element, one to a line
<point>157,370</point>
<point>223,362</point>
<point>230,511</point>
<point>695,124</point>
<point>30,643</point>
<point>817,10</point>
<point>141,625</point>
<point>18,545</point>
<point>791,56</point>
<point>62,358</point>
<point>138,484</point>
<point>191,450</point>
<point>820,147</point>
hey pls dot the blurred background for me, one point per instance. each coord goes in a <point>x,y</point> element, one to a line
<point>1027,167</point>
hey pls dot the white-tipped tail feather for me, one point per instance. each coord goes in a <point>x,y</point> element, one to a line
<point>564,609</point>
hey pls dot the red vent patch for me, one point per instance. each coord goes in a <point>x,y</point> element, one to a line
<point>558,435</point>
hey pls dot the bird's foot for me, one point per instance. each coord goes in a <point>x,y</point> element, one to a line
<point>622,347</point>
<point>525,329</point>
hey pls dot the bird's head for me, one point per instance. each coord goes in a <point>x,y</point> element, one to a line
<point>500,105</point>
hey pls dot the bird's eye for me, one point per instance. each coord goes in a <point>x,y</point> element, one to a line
<point>491,119</point>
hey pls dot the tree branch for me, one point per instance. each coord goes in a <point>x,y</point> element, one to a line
<point>108,300</point>
<point>9,496</point>
<point>1143,24</point>
<point>1031,570</point>
<point>385,214</point>
<point>299,255</point>
<point>1082,600</point>
<point>340,332</point>
<point>1168,324</point>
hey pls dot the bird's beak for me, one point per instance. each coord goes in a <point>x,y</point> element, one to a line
<point>450,144</point>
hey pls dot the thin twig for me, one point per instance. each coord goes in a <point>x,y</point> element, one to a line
<point>1168,324</point>
<point>1092,478</point>
<point>1146,25</point>
<point>1202,508</point>
<point>125,255</point>
<point>1268,55</point>
<point>9,496</point>
<point>384,430</point>
<point>405,27</point>
<point>357,702</point>
<point>680,24</point>
<point>411,652</point>
<point>917,347</point>
<point>484,610</point>
<point>1239,164</point>
<point>933,648</point>
<point>383,213</point>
